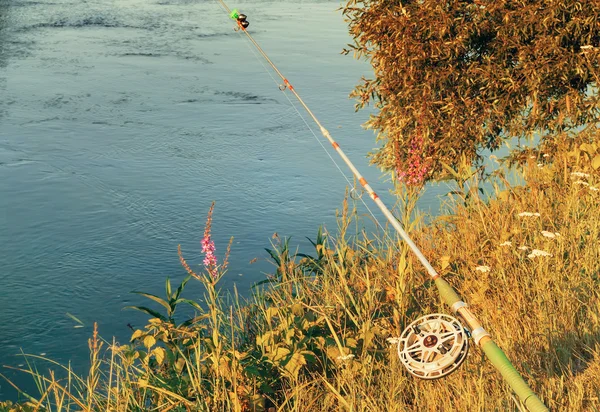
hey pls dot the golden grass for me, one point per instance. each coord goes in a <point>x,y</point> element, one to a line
<point>317,335</point>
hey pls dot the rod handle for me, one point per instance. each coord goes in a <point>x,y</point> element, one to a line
<point>512,377</point>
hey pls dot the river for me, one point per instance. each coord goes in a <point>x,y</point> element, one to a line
<point>121,121</point>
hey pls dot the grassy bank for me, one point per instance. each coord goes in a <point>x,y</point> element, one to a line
<point>314,335</point>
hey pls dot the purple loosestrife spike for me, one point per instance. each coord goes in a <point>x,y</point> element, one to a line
<point>210,261</point>
<point>208,247</point>
<point>416,168</point>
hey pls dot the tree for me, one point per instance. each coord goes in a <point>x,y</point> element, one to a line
<point>453,77</point>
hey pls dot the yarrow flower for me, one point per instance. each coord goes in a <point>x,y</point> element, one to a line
<point>507,243</point>
<point>581,182</point>
<point>482,269</point>
<point>579,174</point>
<point>393,341</point>
<point>529,214</point>
<point>345,357</point>
<point>523,247</point>
<point>537,252</point>
<point>549,234</point>
<point>595,189</point>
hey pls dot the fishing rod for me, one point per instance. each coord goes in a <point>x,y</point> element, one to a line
<point>434,345</point>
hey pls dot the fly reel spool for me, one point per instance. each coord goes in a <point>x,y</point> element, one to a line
<point>433,346</point>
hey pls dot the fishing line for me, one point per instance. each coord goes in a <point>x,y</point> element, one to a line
<point>433,345</point>
<point>353,190</point>
<point>352,185</point>
<point>363,182</point>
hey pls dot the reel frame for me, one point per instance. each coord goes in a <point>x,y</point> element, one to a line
<point>433,346</point>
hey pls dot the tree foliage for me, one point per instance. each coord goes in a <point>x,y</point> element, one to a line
<point>453,77</point>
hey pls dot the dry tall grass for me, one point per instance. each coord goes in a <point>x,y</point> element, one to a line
<point>314,338</point>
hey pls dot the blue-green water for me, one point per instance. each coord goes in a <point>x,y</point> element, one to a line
<point>120,123</point>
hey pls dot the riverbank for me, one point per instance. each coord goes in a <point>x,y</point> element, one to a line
<point>315,336</point>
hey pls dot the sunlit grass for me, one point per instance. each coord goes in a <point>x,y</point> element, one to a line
<point>313,337</point>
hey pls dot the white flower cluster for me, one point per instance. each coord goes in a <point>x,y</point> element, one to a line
<point>579,174</point>
<point>534,252</point>
<point>581,182</point>
<point>529,214</point>
<point>551,235</point>
<point>482,269</point>
<point>537,252</point>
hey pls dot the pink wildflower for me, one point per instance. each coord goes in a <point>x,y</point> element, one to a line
<point>210,261</point>
<point>208,247</point>
<point>416,168</point>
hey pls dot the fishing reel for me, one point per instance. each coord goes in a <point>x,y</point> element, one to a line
<point>240,18</point>
<point>433,346</point>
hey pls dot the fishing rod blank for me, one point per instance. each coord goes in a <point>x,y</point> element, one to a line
<point>434,345</point>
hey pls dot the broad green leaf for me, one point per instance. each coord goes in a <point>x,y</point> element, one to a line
<point>155,298</point>
<point>266,388</point>
<point>297,309</point>
<point>192,303</point>
<point>454,174</point>
<point>444,262</point>
<point>310,240</point>
<point>278,354</point>
<point>195,319</point>
<point>596,162</point>
<point>274,256</point>
<point>182,286</point>
<point>252,371</point>
<point>159,354</point>
<point>587,148</point>
<point>148,311</point>
<point>294,364</point>
<point>351,343</point>
<point>257,402</point>
<point>149,341</point>
<point>265,339</point>
<point>138,333</point>
<point>304,255</point>
<point>289,336</point>
<point>270,313</point>
<point>504,195</point>
<point>179,364</point>
<point>75,319</point>
<point>168,287</point>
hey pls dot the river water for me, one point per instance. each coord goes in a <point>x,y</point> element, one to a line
<point>121,121</point>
